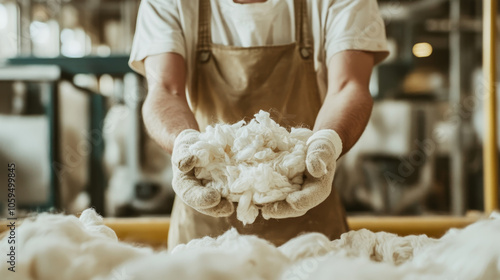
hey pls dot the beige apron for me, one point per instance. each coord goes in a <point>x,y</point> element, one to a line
<point>231,83</point>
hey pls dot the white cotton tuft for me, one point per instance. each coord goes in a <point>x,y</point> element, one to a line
<point>54,246</point>
<point>495,215</point>
<point>310,245</point>
<point>237,256</point>
<point>380,246</point>
<point>95,224</point>
<point>58,247</point>
<point>252,163</point>
<point>469,253</point>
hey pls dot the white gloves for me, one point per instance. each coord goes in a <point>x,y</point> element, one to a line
<point>323,149</point>
<point>205,200</point>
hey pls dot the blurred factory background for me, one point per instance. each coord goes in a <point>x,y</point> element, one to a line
<point>70,112</point>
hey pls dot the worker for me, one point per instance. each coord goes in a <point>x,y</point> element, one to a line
<point>307,61</point>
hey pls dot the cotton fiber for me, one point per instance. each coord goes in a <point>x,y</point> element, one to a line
<point>54,247</point>
<point>252,163</point>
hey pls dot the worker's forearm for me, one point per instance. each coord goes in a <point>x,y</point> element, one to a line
<point>347,112</point>
<point>165,115</point>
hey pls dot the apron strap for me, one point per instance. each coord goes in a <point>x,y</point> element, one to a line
<point>204,21</point>
<point>302,31</point>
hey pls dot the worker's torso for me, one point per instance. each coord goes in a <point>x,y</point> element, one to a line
<point>270,23</point>
<point>233,83</point>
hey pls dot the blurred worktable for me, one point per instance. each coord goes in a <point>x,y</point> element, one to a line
<point>153,231</point>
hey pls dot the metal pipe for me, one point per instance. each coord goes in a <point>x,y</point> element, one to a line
<point>457,157</point>
<point>132,100</point>
<point>490,150</point>
<point>24,21</point>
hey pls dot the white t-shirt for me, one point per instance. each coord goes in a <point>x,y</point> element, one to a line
<point>337,25</point>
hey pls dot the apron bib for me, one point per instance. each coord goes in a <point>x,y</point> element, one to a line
<point>233,83</point>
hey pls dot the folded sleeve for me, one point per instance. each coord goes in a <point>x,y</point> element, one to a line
<point>158,30</point>
<point>355,25</point>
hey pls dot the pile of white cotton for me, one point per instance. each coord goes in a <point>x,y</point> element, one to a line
<point>59,247</point>
<point>252,163</point>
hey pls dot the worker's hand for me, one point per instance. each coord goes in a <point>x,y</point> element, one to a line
<point>323,149</point>
<point>204,199</point>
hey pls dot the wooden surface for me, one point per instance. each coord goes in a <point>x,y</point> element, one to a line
<point>490,150</point>
<point>151,231</point>
<point>433,226</point>
<point>154,231</point>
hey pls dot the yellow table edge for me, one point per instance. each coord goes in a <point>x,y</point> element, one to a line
<point>154,231</point>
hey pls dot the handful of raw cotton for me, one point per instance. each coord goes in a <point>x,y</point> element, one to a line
<point>252,164</point>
